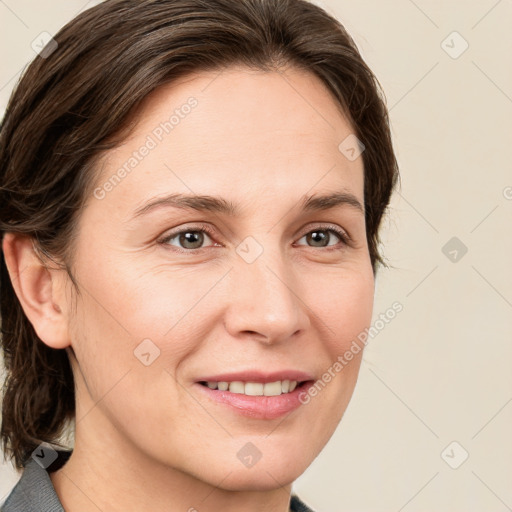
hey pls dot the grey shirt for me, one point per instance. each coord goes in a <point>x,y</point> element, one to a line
<point>34,492</point>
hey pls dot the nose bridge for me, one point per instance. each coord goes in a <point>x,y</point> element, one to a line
<point>264,300</point>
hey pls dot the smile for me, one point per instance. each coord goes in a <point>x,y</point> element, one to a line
<point>249,399</point>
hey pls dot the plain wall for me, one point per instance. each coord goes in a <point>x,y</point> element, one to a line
<point>440,371</point>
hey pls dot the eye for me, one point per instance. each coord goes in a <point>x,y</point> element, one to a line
<point>193,238</point>
<point>188,239</point>
<point>321,237</point>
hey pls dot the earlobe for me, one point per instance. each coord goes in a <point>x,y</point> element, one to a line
<point>38,288</point>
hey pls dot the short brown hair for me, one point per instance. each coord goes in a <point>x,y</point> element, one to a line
<point>74,102</point>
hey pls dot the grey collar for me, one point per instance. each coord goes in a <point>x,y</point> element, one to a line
<point>34,491</point>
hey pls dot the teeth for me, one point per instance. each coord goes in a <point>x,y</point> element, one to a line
<point>271,388</point>
<point>255,388</point>
<point>236,387</point>
<point>252,388</point>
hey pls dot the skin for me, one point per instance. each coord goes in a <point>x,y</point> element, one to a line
<point>145,438</point>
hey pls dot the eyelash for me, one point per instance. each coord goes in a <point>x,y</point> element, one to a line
<point>342,235</point>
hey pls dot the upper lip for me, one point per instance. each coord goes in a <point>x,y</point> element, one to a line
<point>258,376</point>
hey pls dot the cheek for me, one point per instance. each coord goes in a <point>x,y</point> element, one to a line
<point>126,303</point>
<point>345,305</point>
<point>129,316</point>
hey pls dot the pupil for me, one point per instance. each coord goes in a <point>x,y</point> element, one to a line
<point>192,237</point>
<point>319,236</point>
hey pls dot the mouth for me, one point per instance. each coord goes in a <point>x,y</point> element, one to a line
<point>256,400</point>
<point>276,388</point>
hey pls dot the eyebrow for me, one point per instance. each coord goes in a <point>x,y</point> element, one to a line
<point>220,205</point>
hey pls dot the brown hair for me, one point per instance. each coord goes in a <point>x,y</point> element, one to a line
<point>75,101</point>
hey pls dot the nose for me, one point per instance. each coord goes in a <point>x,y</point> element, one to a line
<point>265,302</point>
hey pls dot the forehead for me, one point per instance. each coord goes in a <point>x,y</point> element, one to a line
<point>247,103</point>
<point>235,129</point>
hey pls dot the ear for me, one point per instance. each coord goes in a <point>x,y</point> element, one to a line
<point>39,290</point>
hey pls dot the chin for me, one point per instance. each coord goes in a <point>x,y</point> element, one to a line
<point>266,478</point>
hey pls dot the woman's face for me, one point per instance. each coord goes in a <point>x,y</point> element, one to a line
<point>256,282</point>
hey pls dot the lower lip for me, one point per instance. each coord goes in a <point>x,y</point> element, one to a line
<point>259,407</point>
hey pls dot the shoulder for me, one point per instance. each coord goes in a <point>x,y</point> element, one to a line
<point>297,505</point>
<point>34,491</point>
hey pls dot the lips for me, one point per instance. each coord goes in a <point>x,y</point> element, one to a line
<point>254,404</point>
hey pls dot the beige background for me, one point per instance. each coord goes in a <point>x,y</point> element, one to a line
<point>441,370</point>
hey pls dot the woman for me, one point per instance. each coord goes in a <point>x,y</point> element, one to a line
<point>191,194</point>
